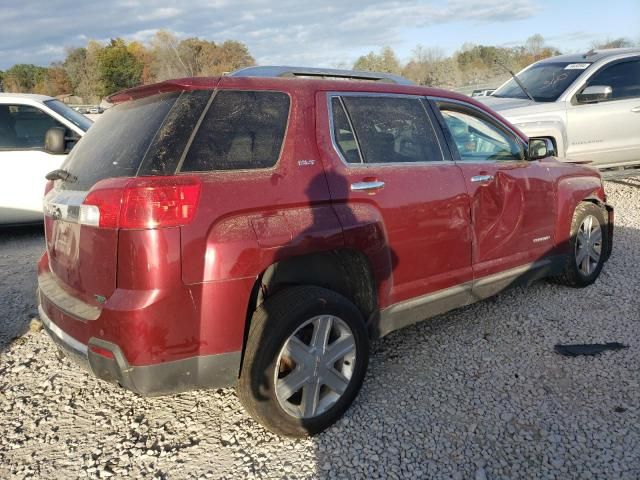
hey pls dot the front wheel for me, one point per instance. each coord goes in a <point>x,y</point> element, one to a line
<point>587,246</point>
<point>305,360</point>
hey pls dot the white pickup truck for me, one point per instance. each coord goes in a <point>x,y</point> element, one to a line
<point>588,105</point>
<point>36,133</point>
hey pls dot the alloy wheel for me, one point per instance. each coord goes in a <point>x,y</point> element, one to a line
<point>588,248</point>
<point>315,366</point>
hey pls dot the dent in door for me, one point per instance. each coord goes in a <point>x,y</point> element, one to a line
<point>497,212</point>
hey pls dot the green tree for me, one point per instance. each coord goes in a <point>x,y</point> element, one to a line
<point>75,65</point>
<point>23,78</point>
<point>54,82</point>
<point>118,67</point>
<point>386,61</point>
<point>81,66</point>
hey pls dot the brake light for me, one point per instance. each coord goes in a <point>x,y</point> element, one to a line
<point>102,205</point>
<point>47,187</point>
<point>139,203</point>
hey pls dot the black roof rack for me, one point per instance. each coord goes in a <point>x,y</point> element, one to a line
<point>327,73</point>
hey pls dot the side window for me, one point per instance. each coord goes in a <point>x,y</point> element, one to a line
<point>241,130</point>
<point>477,138</point>
<point>24,127</point>
<point>623,78</point>
<point>393,129</point>
<point>343,133</point>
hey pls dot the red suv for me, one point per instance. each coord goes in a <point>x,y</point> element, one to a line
<point>259,229</point>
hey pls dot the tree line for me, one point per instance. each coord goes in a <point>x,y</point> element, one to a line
<point>97,70</point>
<point>471,65</point>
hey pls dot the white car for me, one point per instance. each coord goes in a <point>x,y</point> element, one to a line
<point>36,133</point>
<point>588,105</point>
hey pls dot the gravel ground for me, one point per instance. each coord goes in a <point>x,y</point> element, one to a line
<point>477,393</point>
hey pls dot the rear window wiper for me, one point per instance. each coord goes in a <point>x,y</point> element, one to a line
<point>61,174</point>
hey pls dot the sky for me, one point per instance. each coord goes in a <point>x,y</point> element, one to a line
<point>323,34</point>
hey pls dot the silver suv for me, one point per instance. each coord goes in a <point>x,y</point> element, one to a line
<point>588,105</point>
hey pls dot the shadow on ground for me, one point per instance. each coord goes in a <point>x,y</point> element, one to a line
<point>20,249</point>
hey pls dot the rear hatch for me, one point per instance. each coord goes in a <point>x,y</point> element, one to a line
<point>140,138</point>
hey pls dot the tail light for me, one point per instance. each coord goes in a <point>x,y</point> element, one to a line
<point>143,202</point>
<point>48,186</point>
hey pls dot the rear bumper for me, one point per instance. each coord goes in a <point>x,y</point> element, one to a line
<point>208,371</point>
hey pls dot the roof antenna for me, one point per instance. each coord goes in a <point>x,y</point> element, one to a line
<point>589,53</point>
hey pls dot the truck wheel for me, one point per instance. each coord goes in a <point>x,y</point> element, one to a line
<point>587,246</point>
<point>305,359</point>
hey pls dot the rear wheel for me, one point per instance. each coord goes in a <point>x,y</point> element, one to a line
<point>305,360</point>
<point>587,246</point>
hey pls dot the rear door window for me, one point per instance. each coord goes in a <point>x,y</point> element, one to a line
<point>241,130</point>
<point>393,129</point>
<point>343,133</point>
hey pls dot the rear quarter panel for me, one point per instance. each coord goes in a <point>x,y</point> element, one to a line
<point>246,219</point>
<point>249,219</point>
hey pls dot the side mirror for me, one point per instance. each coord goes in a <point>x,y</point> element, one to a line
<point>541,148</point>
<point>54,141</point>
<point>595,94</point>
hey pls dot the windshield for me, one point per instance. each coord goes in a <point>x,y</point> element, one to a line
<point>544,81</point>
<point>74,117</point>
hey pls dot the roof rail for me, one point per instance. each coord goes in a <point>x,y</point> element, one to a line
<point>327,73</point>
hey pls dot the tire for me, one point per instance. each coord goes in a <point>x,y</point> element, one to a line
<point>304,313</point>
<point>577,273</point>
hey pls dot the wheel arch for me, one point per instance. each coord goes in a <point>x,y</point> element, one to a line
<point>571,192</point>
<point>344,271</point>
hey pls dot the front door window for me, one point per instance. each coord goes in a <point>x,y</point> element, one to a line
<point>23,127</point>
<point>479,140</point>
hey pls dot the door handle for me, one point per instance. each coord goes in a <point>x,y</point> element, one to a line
<point>367,186</point>
<point>481,178</point>
<point>636,110</point>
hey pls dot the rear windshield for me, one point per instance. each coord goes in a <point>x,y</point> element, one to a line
<point>116,144</point>
<point>143,137</point>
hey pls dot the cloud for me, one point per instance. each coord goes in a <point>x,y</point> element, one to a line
<point>284,32</point>
<point>160,14</point>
